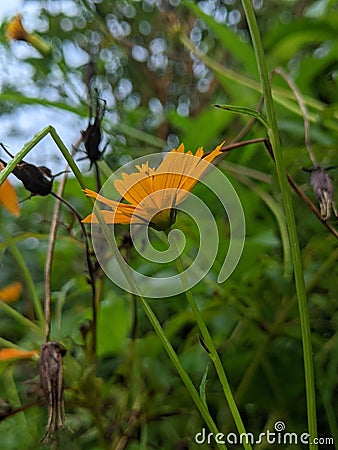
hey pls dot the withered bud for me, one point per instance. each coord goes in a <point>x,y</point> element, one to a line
<point>89,73</point>
<point>38,180</point>
<point>51,380</point>
<point>92,135</point>
<point>34,178</point>
<point>323,188</point>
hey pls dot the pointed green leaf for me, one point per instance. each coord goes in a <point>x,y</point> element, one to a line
<point>244,110</point>
<point>203,385</point>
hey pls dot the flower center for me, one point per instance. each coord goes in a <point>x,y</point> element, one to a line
<point>163,220</point>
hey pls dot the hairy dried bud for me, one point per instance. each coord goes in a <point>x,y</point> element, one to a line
<point>51,380</point>
<point>323,188</point>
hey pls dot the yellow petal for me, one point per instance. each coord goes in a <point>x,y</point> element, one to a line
<point>121,215</point>
<point>11,293</point>
<point>200,168</point>
<point>112,203</point>
<point>178,171</point>
<point>135,187</point>
<point>214,153</point>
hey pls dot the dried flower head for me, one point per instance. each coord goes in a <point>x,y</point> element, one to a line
<point>51,380</point>
<point>323,188</point>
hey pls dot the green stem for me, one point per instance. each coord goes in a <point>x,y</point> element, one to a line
<point>290,220</point>
<point>182,373</point>
<point>212,352</point>
<point>32,143</point>
<point>26,323</point>
<point>159,331</point>
<point>9,344</point>
<point>29,283</point>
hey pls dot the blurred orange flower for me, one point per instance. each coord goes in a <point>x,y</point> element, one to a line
<point>11,293</point>
<point>9,354</point>
<point>8,197</point>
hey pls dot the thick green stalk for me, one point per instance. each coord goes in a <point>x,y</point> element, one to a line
<point>289,217</point>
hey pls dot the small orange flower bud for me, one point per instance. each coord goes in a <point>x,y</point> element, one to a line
<point>15,29</point>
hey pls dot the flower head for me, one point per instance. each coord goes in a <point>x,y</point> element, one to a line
<point>153,194</point>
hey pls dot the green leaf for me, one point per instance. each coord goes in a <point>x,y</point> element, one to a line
<point>203,385</point>
<point>284,41</point>
<point>244,110</point>
<point>112,325</point>
<point>230,40</point>
<point>201,129</point>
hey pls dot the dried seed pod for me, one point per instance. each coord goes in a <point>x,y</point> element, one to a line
<point>33,179</point>
<point>51,380</point>
<point>38,180</point>
<point>323,188</point>
<point>92,135</point>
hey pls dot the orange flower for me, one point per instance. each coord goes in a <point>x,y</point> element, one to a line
<point>11,293</point>
<point>153,194</point>
<point>16,31</point>
<point>8,197</point>
<point>9,354</point>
